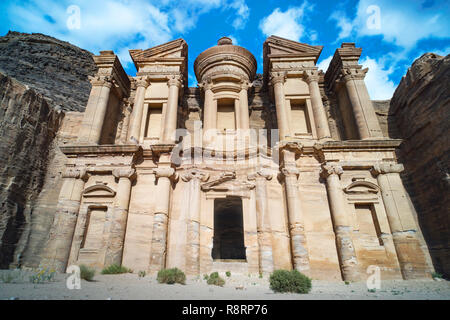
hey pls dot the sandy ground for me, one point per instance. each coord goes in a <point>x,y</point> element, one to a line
<point>237,287</point>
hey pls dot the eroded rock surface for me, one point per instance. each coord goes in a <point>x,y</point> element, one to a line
<point>420,108</point>
<point>28,125</point>
<point>57,69</point>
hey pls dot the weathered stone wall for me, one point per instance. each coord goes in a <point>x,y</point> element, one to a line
<point>41,75</point>
<point>420,109</point>
<point>28,125</point>
<point>57,69</point>
<point>386,119</point>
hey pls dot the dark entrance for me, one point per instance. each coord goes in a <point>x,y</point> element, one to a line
<point>228,229</point>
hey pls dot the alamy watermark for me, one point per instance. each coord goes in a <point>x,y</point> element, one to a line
<point>373,22</point>
<point>73,22</point>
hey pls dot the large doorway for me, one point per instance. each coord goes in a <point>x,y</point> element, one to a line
<point>228,241</point>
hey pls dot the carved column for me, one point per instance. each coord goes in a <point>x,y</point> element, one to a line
<point>342,228</point>
<point>364,114</point>
<point>125,123</point>
<point>277,81</point>
<point>120,214</point>
<point>60,240</point>
<point>401,221</point>
<point>170,124</point>
<point>263,221</point>
<point>243,105</point>
<point>290,173</point>
<point>161,218</point>
<point>209,108</point>
<point>134,128</point>
<point>319,114</point>
<point>194,177</point>
<point>94,115</point>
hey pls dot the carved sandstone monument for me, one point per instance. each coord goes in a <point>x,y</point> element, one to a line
<point>246,173</point>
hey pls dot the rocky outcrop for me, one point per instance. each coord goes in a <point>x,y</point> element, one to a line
<point>54,68</point>
<point>420,109</point>
<point>28,125</point>
<point>43,80</point>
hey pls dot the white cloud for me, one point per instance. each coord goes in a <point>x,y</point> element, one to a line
<point>233,38</point>
<point>323,65</point>
<point>287,24</point>
<point>401,22</point>
<point>242,13</point>
<point>377,79</point>
<point>119,25</point>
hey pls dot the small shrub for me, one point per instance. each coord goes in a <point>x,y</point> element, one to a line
<point>87,273</point>
<point>260,275</point>
<point>436,275</point>
<point>214,279</point>
<point>116,269</point>
<point>346,282</point>
<point>171,276</point>
<point>372,290</point>
<point>289,281</point>
<point>228,273</point>
<point>205,277</point>
<point>42,275</point>
<point>142,274</point>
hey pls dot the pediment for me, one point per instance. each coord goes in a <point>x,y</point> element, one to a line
<point>173,50</point>
<point>361,187</point>
<point>99,190</point>
<point>277,46</point>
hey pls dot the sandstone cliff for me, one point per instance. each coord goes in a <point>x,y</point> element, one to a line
<point>420,109</point>
<point>41,76</point>
<point>28,125</point>
<point>57,69</point>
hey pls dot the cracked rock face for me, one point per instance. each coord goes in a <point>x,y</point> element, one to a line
<point>39,77</point>
<point>28,125</point>
<point>421,108</point>
<point>54,68</point>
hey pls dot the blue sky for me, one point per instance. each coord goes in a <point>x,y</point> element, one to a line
<point>392,33</point>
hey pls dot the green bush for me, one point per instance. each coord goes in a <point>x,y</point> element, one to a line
<point>289,281</point>
<point>228,273</point>
<point>171,276</point>
<point>116,269</point>
<point>214,279</point>
<point>142,274</point>
<point>87,273</point>
<point>205,277</point>
<point>42,275</point>
<point>436,275</point>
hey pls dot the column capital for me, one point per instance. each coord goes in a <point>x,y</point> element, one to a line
<point>277,77</point>
<point>101,81</point>
<point>386,167</point>
<point>293,146</point>
<point>290,172</point>
<point>261,174</point>
<point>245,84</point>
<point>331,169</point>
<point>174,80</point>
<point>195,174</point>
<point>206,85</point>
<point>164,172</point>
<point>76,173</point>
<point>311,75</point>
<point>349,73</point>
<point>129,173</point>
<point>143,82</point>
